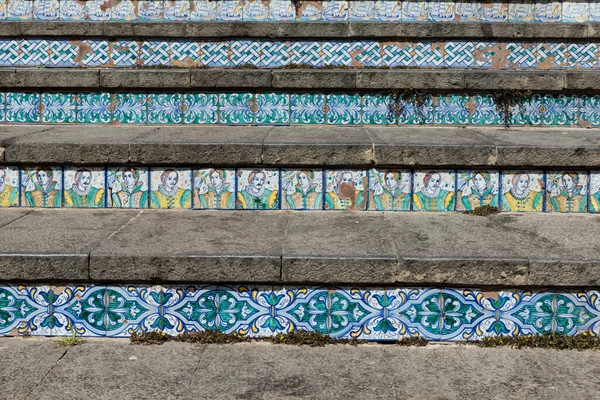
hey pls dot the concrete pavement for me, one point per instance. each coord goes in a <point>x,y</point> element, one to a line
<point>38,368</point>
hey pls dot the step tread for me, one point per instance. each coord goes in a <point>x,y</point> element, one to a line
<point>299,247</point>
<point>301,145</point>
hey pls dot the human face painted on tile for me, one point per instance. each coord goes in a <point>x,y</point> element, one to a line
<point>434,182</point>
<point>347,178</point>
<point>171,180</point>
<point>522,184</point>
<point>216,180</point>
<point>43,178</point>
<point>568,182</point>
<point>85,179</point>
<point>129,178</point>
<point>479,183</point>
<point>303,180</point>
<point>391,181</point>
<point>258,181</point>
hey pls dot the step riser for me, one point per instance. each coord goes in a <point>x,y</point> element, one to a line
<point>345,312</point>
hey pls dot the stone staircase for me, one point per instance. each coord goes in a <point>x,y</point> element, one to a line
<point>263,167</point>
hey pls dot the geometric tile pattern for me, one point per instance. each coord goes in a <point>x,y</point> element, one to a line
<point>386,189</point>
<point>377,314</point>
<point>319,10</point>
<point>284,108</point>
<point>280,53</point>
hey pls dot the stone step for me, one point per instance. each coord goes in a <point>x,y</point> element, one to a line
<point>309,146</point>
<point>321,248</point>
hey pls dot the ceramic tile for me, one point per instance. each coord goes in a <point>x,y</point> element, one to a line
<point>3,9</point>
<point>9,186</point>
<point>129,108</point>
<point>272,108</point>
<point>2,107</point>
<point>155,53</point>
<point>19,9</point>
<point>309,11</point>
<point>346,190</point>
<point>347,313</point>
<point>397,54</point>
<point>521,11</point>
<point>230,10</point>
<point>306,53</point>
<point>214,189</point>
<point>560,110</point>
<point>200,108</point>
<point>567,191</point>
<point>164,108</point>
<point>467,11</point>
<point>170,188</point>
<point>433,191</point>
<point>302,189</point>
<point>389,190</point>
<point>72,10</point>
<point>414,11</point>
<point>417,111</point>
<point>96,10</point>
<point>337,53</point>
<point>461,311</point>
<point>10,53</point>
<point>550,11</point>
<point>388,11</point>
<point>41,187</point>
<point>343,109</point>
<point>440,11</point>
<point>575,11</point>
<point>203,10</point>
<point>594,12</point>
<point>236,108</point>
<point>428,54</point>
<point>335,11</point>
<point>459,54</point>
<point>528,111</point>
<point>244,52</point>
<point>282,10</point>
<point>257,189</point>
<point>485,111</point>
<point>23,309</point>
<point>34,52</point>
<point>62,53</point>
<point>452,109</point>
<point>494,11</point>
<point>128,309</point>
<point>46,10</point>
<point>152,10</point>
<point>84,187</point>
<point>589,111</point>
<point>275,54</point>
<point>185,54</point>
<point>366,54</point>
<point>379,110</point>
<point>214,54</point>
<point>491,55</point>
<point>177,10</point>
<point>256,10</point>
<point>583,55</point>
<point>23,107</point>
<point>521,55</point>
<point>477,189</point>
<point>94,108</point>
<point>127,187</point>
<point>96,53</point>
<point>58,107</point>
<point>307,108</point>
<point>420,312</point>
<point>309,311</point>
<point>522,191</point>
<point>125,11</point>
<point>361,10</point>
<point>372,319</point>
<point>594,203</point>
<point>124,53</point>
<point>77,309</point>
<point>552,55</point>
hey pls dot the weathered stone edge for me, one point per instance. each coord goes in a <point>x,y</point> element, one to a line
<point>305,79</point>
<point>333,30</point>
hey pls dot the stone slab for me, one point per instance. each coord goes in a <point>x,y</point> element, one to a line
<point>235,78</point>
<point>144,78</point>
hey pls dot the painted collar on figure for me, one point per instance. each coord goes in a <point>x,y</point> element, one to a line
<point>431,193</point>
<point>166,192</point>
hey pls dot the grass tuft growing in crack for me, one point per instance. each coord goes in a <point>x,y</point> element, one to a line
<point>72,340</point>
<point>483,211</point>
<point>581,341</point>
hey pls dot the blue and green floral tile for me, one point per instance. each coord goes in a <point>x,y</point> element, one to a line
<point>528,111</point>
<point>346,190</point>
<point>94,108</point>
<point>347,312</point>
<point>591,300</point>
<point>485,111</point>
<point>415,11</point>
<point>127,187</point>
<point>84,187</point>
<point>258,189</point>
<point>155,53</point>
<point>459,54</point>
<point>151,10</point>
<point>245,52</point>
<point>335,10</point>
<point>416,111</point>
<point>34,52</point>
<point>366,54</point>
<point>282,10</point>
<point>124,11</point>
<point>433,190</point>
<point>594,202</point>
<point>200,108</point>
<point>203,10</point>
<point>125,53</point>
<point>96,54</point>
<point>428,54</point>
<point>452,110</point>
<point>467,11</point>
<point>275,53</point>
<point>486,314</point>
<point>230,10</point>
<point>343,109</point>
<point>256,10</point>
<point>72,10</point>
<point>302,189</point>
<point>171,188</point>
<point>129,108</point>
<point>494,12</point>
<point>22,310</point>
<point>575,11</point>
<point>9,187</point>
<point>306,53</point>
<point>522,191</point>
<point>59,107</point>
<point>373,319</point>
<point>550,11</point>
<point>361,11</point>
<point>521,55</point>
<point>182,309</point>
<point>78,310</point>
<point>389,190</point>
<point>561,110</point>
<point>214,54</point>
<point>309,11</point>
<point>129,309</point>
<point>589,111</point>
<point>308,310</point>
<point>522,11</point>
<point>379,110</point>
<point>2,107</point>
<point>213,189</point>
<point>19,10</point>
<point>307,108</point>
<point>441,11</point>
<point>10,53</point>
<point>236,108</point>
<point>178,10</point>
<point>461,312</point>
<point>23,107</point>
<point>552,55</point>
<point>164,108</point>
<point>46,10</point>
<point>583,55</point>
<point>419,312</point>
<point>41,187</point>
<point>272,108</point>
<point>96,10</point>
<point>388,11</point>
<point>397,54</point>
<point>255,311</point>
<point>477,189</point>
<point>567,191</point>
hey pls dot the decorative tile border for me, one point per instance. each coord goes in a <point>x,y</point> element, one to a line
<point>345,312</point>
<point>309,11</point>
<point>257,53</point>
<point>387,189</point>
<point>284,108</point>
